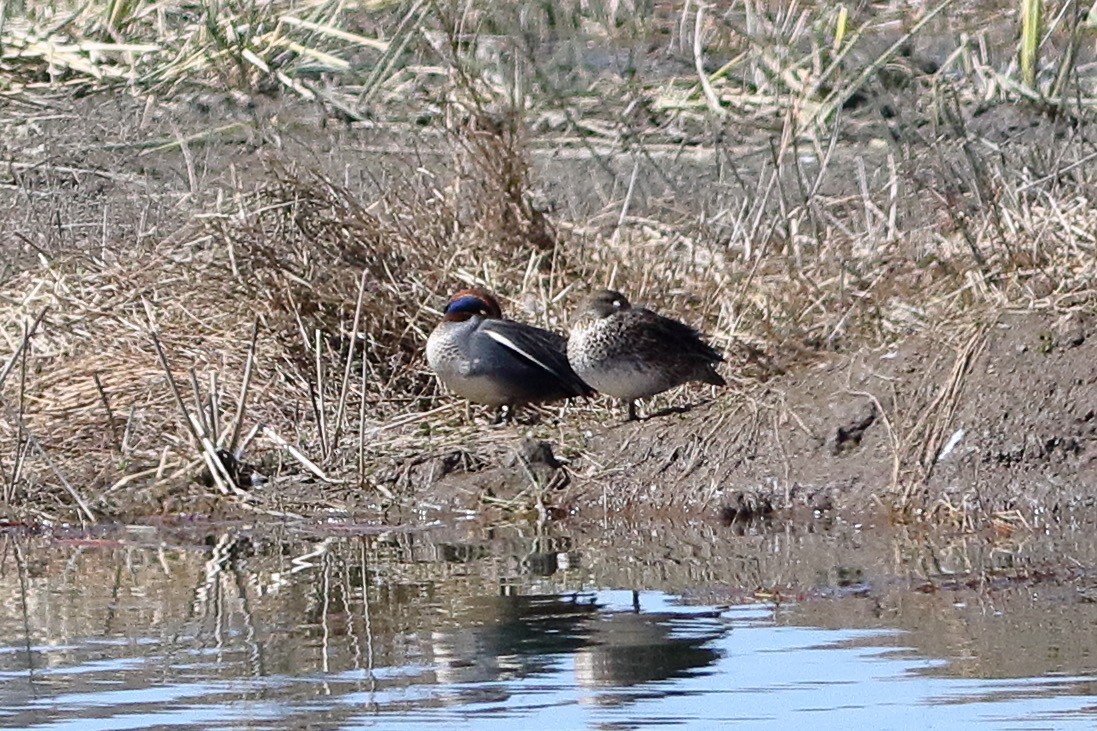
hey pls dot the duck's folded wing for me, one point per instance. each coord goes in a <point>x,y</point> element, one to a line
<point>687,339</point>
<point>544,349</point>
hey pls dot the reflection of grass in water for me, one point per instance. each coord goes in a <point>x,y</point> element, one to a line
<point>294,601</point>
<point>803,237</point>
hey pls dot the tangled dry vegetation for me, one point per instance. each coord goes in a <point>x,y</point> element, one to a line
<point>285,322</point>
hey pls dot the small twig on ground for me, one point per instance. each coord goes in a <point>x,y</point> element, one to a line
<point>82,504</point>
<point>298,455</point>
<point>214,404</point>
<point>241,405</point>
<point>217,469</point>
<point>345,384</point>
<point>711,98</point>
<point>316,393</point>
<point>110,412</point>
<point>205,429</point>
<point>28,333</point>
<point>944,406</point>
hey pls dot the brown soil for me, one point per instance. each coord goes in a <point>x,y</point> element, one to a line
<point>1003,420</point>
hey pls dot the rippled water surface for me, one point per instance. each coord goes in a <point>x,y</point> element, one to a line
<point>652,626</point>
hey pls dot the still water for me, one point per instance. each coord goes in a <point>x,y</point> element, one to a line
<point>655,625</point>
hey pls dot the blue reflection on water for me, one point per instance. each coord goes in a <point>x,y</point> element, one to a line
<point>606,660</point>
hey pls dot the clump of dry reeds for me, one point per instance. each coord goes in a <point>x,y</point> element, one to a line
<point>301,308</point>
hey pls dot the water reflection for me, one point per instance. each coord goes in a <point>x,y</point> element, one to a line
<point>510,636</point>
<point>281,626</point>
<point>634,647</point>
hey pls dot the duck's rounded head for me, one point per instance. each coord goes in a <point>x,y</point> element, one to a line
<point>471,302</point>
<point>604,303</point>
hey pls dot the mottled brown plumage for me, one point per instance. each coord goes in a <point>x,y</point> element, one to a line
<point>631,352</point>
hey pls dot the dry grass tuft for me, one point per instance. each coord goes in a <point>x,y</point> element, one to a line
<point>289,255</point>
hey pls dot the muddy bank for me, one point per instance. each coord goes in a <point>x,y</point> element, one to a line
<point>1000,417</point>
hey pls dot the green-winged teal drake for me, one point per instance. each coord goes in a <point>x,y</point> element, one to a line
<point>487,359</point>
<point>631,352</point>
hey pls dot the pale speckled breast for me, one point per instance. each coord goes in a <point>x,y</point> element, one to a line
<point>599,352</point>
<point>584,350</point>
<point>443,352</point>
<point>622,356</point>
<point>453,366</point>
